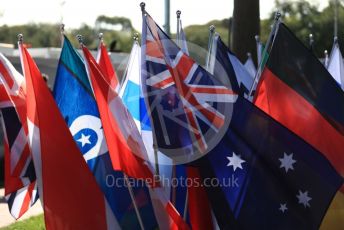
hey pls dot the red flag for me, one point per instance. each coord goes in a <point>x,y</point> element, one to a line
<point>104,62</point>
<point>69,192</point>
<point>126,148</point>
<point>198,203</point>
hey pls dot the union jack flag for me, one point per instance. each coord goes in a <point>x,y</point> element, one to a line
<point>20,178</point>
<point>189,107</point>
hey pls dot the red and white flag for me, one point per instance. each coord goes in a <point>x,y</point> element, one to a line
<point>70,196</point>
<point>125,145</point>
<point>20,179</point>
<point>104,62</point>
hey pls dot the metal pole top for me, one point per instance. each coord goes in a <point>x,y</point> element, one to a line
<point>178,12</point>
<point>212,28</point>
<point>62,28</point>
<point>325,52</point>
<point>100,36</point>
<point>257,38</point>
<point>278,15</point>
<point>143,6</point>
<point>249,54</point>
<point>136,37</point>
<point>20,38</point>
<point>80,39</point>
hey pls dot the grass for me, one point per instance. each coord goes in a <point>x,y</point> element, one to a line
<point>33,223</point>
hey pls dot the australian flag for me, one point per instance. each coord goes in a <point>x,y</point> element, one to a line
<point>75,99</point>
<point>265,176</point>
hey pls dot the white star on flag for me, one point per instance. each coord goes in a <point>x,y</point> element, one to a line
<point>235,161</point>
<point>304,198</point>
<point>287,162</point>
<point>84,140</point>
<point>283,207</point>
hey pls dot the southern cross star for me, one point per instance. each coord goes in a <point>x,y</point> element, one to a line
<point>304,198</point>
<point>235,161</point>
<point>287,162</point>
<point>283,207</point>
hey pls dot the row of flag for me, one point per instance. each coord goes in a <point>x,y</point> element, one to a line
<point>282,142</point>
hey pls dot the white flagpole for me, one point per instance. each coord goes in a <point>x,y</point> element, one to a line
<point>210,46</point>
<point>62,33</point>
<point>326,59</point>
<point>311,41</point>
<point>178,12</point>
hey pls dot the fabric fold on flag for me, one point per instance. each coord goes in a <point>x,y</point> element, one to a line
<point>336,65</point>
<point>227,68</point>
<point>250,67</point>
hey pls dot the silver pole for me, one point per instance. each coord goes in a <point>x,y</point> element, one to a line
<point>178,28</point>
<point>134,201</point>
<point>167,17</point>
<point>326,58</point>
<point>311,41</point>
<point>268,43</point>
<point>259,54</point>
<point>335,18</point>
<point>155,146</point>
<point>62,33</point>
<point>186,205</point>
<point>210,45</point>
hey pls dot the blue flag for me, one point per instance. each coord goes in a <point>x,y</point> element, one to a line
<point>74,97</point>
<point>227,68</point>
<point>267,177</point>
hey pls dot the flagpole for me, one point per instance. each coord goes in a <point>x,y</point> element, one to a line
<point>326,58</point>
<point>268,43</point>
<point>131,193</point>
<point>210,45</point>
<point>62,33</point>
<point>178,12</point>
<point>335,32</point>
<point>123,79</point>
<point>139,218</point>
<point>259,55</point>
<point>101,39</point>
<point>311,41</point>
<point>155,146</point>
<point>186,204</point>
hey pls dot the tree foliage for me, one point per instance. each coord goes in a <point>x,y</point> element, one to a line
<point>304,18</point>
<point>300,16</point>
<point>199,34</point>
<point>48,35</point>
